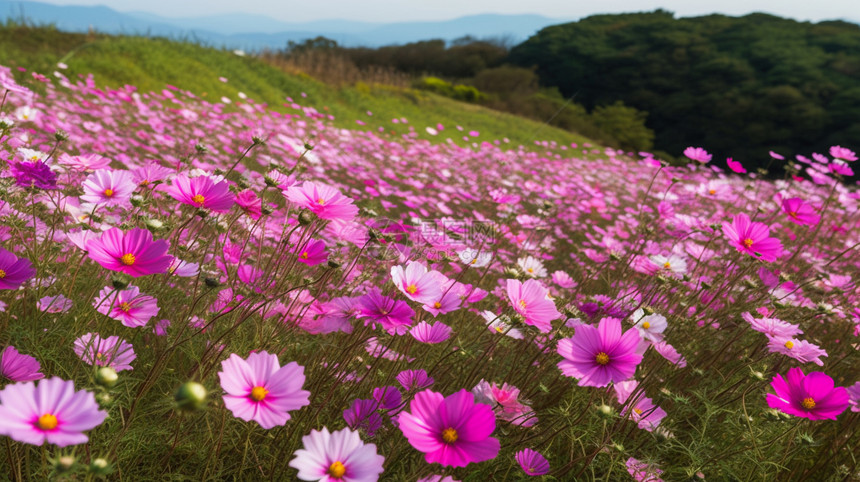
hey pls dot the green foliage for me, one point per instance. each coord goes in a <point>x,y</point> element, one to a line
<point>625,124</point>
<point>466,93</point>
<point>738,86</point>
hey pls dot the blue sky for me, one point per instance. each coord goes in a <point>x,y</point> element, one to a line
<point>404,10</point>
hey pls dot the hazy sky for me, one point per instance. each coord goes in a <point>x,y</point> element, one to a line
<point>400,10</point>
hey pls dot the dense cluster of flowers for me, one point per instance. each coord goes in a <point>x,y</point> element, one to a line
<point>368,306</point>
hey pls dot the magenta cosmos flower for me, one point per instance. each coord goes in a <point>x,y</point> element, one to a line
<point>452,431</point>
<point>395,316</point>
<point>18,367</point>
<point>133,253</point>
<point>111,352</point>
<point>530,299</point>
<point>417,283</point>
<point>532,463</point>
<point>800,212</point>
<point>108,188</point>
<point>697,154</point>
<point>735,166</point>
<point>262,390</point>
<point>312,253</point>
<point>752,238</point>
<point>202,192</point>
<point>324,201</point>
<point>51,411</point>
<point>14,271</point>
<point>598,356</point>
<point>811,396</point>
<point>129,306</point>
<point>430,334</point>
<point>843,153</point>
<point>336,456</point>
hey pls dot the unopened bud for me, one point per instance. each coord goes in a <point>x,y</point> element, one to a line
<point>605,410</point>
<point>100,466</point>
<point>190,396</point>
<point>61,135</point>
<point>211,282</point>
<point>64,463</point>
<point>106,377</point>
<point>306,217</point>
<point>120,281</point>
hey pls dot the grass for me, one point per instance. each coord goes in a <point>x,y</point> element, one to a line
<point>152,63</point>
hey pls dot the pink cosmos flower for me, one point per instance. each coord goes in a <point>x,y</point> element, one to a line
<point>752,238</point>
<point>324,201</point>
<point>598,356</point>
<point>736,166</point>
<point>854,397</point>
<point>363,415</point>
<point>51,411</point>
<point>329,317</point>
<point>843,153</point>
<point>532,463</point>
<point>129,306</point>
<point>149,174</point>
<point>183,269</point>
<point>430,334</point>
<point>17,367</point>
<point>250,203</point>
<point>312,253</point>
<point>260,389</point>
<point>202,192</point>
<point>112,352</point>
<point>563,280</point>
<point>811,396</point>
<point>800,212</point>
<point>107,187</point>
<point>531,300</point>
<point>133,252</point>
<point>84,162</point>
<point>800,350</point>
<point>501,324</point>
<point>337,456</point>
<point>650,327</point>
<point>55,304</point>
<point>773,327</point>
<point>505,402</point>
<point>412,380</point>
<point>417,283</point>
<point>393,315</point>
<point>646,415</point>
<point>643,472</point>
<point>14,271</point>
<point>453,294</point>
<point>669,352</point>
<point>452,431</point>
<point>697,154</point>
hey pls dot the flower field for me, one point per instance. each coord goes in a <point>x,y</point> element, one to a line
<point>199,290</point>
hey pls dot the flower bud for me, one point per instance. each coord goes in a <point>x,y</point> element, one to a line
<point>100,466</point>
<point>61,135</point>
<point>190,396</point>
<point>106,377</point>
<point>120,281</point>
<point>605,411</point>
<point>211,282</point>
<point>64,463</point>
<point>306,217</point>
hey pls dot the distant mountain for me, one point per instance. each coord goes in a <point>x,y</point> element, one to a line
<point>253,32</point>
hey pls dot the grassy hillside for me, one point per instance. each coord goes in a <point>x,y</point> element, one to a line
<point>151,63</point>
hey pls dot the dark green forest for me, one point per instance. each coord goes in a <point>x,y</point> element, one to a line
<point>739,86</point>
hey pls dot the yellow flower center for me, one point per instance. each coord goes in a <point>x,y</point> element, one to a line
<point>531,270</point>
<point>712,192</point>
<point>789,344</point>
<point>411,289</point>
<point>808,403</point>
<point>602,358</point>
<point>49,422</point>
<point>320,201</point>
<point>474,261</point>
<point>258,393</point>
<point>198,199</point>
<point>108,192</point>
<point>646,325</point>
<point>667,265</point>
<point>437,305</point>
<point>2,274</point>
<point>145,182</point>
<point>638,411</point>
<point>748,242</point>
<point>449,435</point>
<point>305,255</point>
<point>523,303</point>
<point>127,259</point>
<point>100,356</point>
<point>125,306</point>
<point>500,329</point>
<point>336,470</point>
<point>792,214</point>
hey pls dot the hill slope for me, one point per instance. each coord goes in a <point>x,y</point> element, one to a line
<point>151,64</point>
